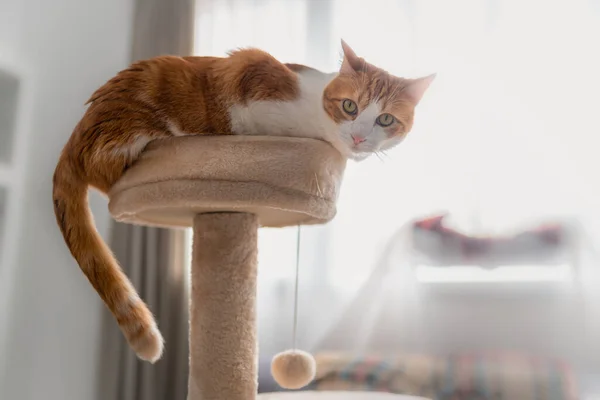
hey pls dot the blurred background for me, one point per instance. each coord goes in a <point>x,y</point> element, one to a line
<point>462,265</point>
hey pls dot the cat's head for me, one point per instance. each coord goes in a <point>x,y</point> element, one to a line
<point>373,109</point>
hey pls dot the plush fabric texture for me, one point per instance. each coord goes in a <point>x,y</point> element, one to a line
<point>223,351</point>
<point>284,181</point>
<point>487,376</point>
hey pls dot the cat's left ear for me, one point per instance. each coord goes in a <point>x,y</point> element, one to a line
<point>351,63</point>
<point>417,87</point>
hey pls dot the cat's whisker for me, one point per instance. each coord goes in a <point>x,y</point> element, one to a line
<point>384,153</point>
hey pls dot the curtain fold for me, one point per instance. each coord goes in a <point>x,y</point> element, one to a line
<point>163,27</point>
<point>154,261</point>
<point>153,258</point>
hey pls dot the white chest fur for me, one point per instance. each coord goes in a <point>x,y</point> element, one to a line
<point>303,117</point>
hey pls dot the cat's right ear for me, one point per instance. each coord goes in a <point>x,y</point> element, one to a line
<point>351,63</point>
<point>417,87</point>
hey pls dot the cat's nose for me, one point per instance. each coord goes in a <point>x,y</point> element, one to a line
<point>357,139</point>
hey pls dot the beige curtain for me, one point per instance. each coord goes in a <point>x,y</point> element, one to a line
<point>154,259</point>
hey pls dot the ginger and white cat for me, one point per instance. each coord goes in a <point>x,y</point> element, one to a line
<point>360,109</point>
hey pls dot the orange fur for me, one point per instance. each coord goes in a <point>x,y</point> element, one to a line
<point>192,92</point>
<point>167,96</point>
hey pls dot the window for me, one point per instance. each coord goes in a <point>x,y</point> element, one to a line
<point>502,137</point>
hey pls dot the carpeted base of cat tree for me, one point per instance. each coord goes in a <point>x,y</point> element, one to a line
<point>226,187</point>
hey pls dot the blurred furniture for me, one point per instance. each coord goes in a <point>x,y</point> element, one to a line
<point>478,376</point>
<point>436,243</point>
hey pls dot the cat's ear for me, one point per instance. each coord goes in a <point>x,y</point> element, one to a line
<point>417,88</point>
<point>351,63</point>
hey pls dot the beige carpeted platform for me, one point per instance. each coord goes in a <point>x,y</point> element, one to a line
<point>285,181</point>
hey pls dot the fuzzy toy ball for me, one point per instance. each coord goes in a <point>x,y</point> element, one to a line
<point>293,369</point>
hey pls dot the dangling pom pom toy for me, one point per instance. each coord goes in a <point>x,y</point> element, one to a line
<point>293,369</point>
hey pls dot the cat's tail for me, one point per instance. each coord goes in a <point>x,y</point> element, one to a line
<point>97,262</point>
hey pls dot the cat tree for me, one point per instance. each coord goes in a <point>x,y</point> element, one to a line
<point>226,187</point>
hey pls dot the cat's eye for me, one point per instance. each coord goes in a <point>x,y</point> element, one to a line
<point>385,120</point>
<point>349,106</point>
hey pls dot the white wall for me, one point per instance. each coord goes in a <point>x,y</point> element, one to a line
<point>50,349</point>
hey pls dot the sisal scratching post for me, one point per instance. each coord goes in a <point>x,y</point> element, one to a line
<point>223,307</point>
<point>226,187</point>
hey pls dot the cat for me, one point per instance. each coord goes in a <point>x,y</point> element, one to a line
<point>359,110</point>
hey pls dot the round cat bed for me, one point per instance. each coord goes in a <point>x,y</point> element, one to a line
<point>335,396</point>
<point>284,181</point>
<point>226,187</point>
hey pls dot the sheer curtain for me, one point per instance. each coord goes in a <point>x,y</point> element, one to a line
<point>506,135</point>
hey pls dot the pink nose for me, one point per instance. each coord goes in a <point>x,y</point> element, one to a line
<point>358,139</point>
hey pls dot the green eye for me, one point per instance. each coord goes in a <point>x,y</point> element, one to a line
<point>349,106</point>
<point>385,120</point>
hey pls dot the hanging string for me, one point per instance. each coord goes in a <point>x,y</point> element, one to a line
<point>294,368</point>
<point>295,327</point>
